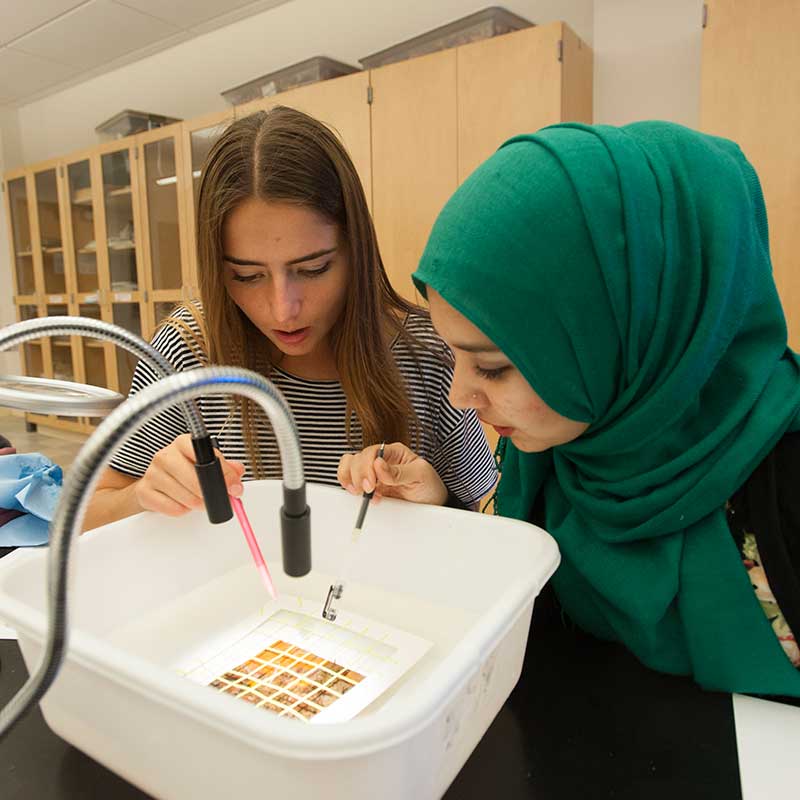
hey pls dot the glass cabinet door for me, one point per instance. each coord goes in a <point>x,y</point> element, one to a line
<point>64,354</point>
<point>200,143</point>
<point>163,224</point>
<point>33,351</point>
<point>81,218</point>
<point>94,350</point>
<point>50,236</point>
<point>198,139</point>
<point>97,356</point>
<point>128,316</point>
<point>119,217</point>
<point>21,236</point>
<point>162,311</point>
<point>61,347</point>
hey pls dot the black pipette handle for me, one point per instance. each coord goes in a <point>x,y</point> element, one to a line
<point>212,481</point>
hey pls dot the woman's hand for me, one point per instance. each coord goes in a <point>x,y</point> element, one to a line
<point>400,473</point>
<point>170,485</point>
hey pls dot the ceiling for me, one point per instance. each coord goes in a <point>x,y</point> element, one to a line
<point>48,45</point>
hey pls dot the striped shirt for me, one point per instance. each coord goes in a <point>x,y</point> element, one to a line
<point>451,440</point>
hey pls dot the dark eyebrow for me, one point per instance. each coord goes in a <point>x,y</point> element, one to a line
<point>310,257</point>
<point>476,348</point>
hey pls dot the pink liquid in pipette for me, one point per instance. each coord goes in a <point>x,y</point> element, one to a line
<point>255,550</point>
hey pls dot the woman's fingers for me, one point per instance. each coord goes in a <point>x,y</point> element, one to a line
<point>356,471</point>
<point>163,478</point>
<point>171,473</point>
<point>232,471</point>
<point>184,469</point>
<point>162,498</point>
<point>412,479</point>
<point>367,480</point>
<point>343,473</point>
<point>171,484</point>
<point>399,473</point>
<point>390,474</point>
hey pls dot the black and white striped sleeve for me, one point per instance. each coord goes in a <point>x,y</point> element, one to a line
<point>135,455</point>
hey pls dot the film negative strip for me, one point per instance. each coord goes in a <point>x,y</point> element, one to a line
<point>289,681</point>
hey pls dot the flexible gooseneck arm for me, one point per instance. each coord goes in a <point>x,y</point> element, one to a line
<point>96,453</point>
<point>207,465</point>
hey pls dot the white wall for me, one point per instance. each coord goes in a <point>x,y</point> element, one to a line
<point>647,60</point>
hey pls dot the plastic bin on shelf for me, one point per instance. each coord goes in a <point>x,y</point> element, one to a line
<point>483,24</point>
<point>312,70</point>
<point>148,589</point>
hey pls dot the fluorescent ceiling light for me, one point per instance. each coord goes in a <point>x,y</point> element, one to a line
<point>174,178</point>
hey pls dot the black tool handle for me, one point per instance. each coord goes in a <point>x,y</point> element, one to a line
<point>296,532</point>
<point>367,496</point>
<point>212,481</point>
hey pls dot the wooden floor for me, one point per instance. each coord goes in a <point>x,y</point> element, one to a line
<point>60,447</point>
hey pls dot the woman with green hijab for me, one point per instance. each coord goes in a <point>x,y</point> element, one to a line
<point>609,300</point>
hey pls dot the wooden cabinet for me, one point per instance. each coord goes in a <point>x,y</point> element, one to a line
<point>436,118</point>
<point>110,232</point>
<point>517,84</point>
<point>415,156</point>
<point>750,86</point>
<point>342,104</point>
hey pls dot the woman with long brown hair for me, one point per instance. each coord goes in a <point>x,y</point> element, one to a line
<point>292,286</point>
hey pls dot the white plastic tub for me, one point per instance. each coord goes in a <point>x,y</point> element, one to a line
<point>147,589</point>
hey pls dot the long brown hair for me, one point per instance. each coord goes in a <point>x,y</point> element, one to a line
<point>287,156</point>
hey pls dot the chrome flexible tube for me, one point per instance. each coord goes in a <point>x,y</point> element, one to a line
<point>79,485</point>
<point>20,332</point>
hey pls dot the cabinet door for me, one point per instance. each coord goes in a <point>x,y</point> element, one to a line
<point>163,184</point>
<point>18,202</point>
<point>750,87</point>
<point>33,357</point>
<point>414,157</point>
<point>49,229</point>
<point>343,105</point>
<point>65,356</point>
<point>118,220</point>
<point>127,313</point>
<point>50,237</point>
<point>199,137</point>
<point>120,259</point>
<point>161,310</point>
<point>96,357</point>
<point>81,196</point>
<point>83,193</point>
<point>507,85</point>
<point>63,360</point>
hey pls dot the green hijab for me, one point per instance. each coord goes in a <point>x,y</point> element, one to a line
<point>626,273</point>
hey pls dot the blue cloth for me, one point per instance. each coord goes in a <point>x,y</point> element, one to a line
<point>31,483</point>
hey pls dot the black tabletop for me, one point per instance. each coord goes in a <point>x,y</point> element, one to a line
<point>588,721</point>
<point>585,721</point>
